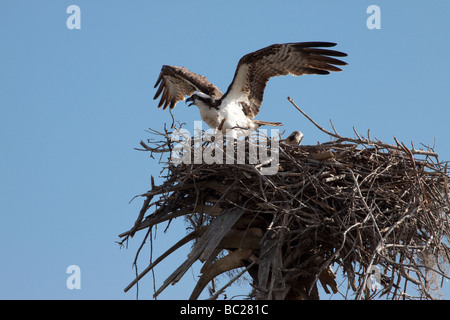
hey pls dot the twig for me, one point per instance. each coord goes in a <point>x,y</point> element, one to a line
<point>315,123</point>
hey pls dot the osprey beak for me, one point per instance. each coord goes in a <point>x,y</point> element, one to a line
<point>191,100</point>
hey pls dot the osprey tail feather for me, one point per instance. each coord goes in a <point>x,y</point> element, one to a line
<point>267,123</point>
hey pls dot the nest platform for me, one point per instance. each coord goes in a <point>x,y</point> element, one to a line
<point>358,208</point>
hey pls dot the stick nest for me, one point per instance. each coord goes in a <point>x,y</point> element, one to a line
<point>360,208</point>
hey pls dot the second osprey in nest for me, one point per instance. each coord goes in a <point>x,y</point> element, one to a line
<point>237,108</point>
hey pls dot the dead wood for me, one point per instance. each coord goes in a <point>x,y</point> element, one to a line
<point>357,207</point>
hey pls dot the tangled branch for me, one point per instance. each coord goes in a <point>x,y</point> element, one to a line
<point>355,206</point>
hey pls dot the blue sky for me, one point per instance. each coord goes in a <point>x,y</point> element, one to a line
<point>74,104</point>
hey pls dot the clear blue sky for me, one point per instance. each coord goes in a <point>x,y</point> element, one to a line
<point>74,104</point>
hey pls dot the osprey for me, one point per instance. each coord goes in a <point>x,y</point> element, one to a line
<point>295,138</point>
<point>237,108</point>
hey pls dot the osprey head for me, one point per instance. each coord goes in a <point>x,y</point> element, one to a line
<point>295,138</point>
<point>200,99</point>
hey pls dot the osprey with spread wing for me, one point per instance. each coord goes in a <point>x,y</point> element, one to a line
<point>237,108</point>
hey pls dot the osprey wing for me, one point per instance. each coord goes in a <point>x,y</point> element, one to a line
<point>255,69</point>
<point>175,83</point>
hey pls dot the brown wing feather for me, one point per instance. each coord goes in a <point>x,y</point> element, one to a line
<point>175,83</point>
<point>255,69</point>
